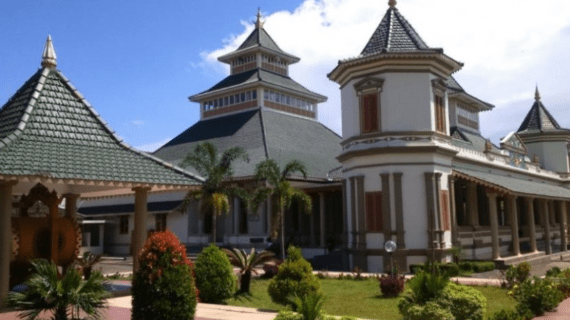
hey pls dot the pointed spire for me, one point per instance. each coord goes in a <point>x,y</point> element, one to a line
<point>49,58</point>
<point>259,23</point>
<point>537,94</point>
<point>392,3</point>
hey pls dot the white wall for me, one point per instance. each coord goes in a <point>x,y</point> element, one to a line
<point>553,155</point>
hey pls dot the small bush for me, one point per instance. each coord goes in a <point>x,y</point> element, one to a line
<point>466,266</point>
<point>163,286</point>
<point>271,269</point>
<point>429,311</point>
<point>295,277</point>
<point>391,286</point>
<point>554,272</point>
<point>215,277</point>
<point>507,315</point>
<point>451,269</point>
<point>415,268</point>
<point>425,286</point>
<point>517,274</point>
<point>483,266</point>
<point>465,303</point>
<point>538,295</point>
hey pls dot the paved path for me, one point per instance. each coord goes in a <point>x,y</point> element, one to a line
<point>562,312</point>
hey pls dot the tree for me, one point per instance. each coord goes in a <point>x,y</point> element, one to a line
<point>48,292</point>
<point>277,186</point>
<point>217,171</point>
<point>247,262</point>
<point>87,262</point>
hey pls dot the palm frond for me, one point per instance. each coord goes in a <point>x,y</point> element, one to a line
<point>203,158</point>
<point>268,170</point>
<point>259,196</point>
<point>304,199</point>
<point>292,167</point>
<point>229,156</point>
<point>220,203</point>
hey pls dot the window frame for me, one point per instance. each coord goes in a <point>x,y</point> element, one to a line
<point>440,110</point>
<point>365,88</point>
<point>375,219</point>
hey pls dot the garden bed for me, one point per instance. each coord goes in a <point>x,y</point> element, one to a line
<point>359,298</point>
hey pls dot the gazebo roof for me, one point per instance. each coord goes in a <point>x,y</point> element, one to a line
<point>49,130</point>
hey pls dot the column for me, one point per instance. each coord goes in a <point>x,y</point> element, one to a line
<point>140,230</point>
<point>531,227</point>
<point>386,208</point>
<point>5,238</point>
<point>322,216</point>
<point>312,225</point>
<point>546,221</point>
<point>453,213</point>
<point>237,209</point>
<point>562,213</point>
<point>430,199</point>
<point>494,224</point>
<point>398,194</point>
<point>71,205</point>
<point>472,204</point>
<point>513,213</point>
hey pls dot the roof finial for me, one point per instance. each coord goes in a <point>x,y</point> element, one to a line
<point>259,23</point>
<point>49,59</point>
<point>537,94</point>
<point>392,3</point>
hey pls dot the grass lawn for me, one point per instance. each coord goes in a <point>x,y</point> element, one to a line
<point>358,298</point>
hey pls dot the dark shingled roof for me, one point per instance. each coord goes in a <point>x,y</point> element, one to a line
<point>259,37</point>
<point>469,140</point>
<point>263,133</point>
<point>261,76</point>
<point>47,128</point>
<point>394,34</point>
<point>538,119</point>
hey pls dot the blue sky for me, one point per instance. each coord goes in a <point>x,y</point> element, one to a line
<point>137,62</point>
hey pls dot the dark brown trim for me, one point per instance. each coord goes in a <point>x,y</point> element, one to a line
<point>366,136</point>
<point>386,208</point>
<point>398,202</point>
<point>389,164</point>
<point>361,213</point>
<point>354,227</point>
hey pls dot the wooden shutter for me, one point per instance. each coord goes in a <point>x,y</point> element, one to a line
<point>369,113</point>
<point>439,114</point>
<point>373,208</point>
<point>446,223</point>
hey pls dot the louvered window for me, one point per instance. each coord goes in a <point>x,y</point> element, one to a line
<point>374,211</point>
<point>370,113</point>
<point>440,123</point>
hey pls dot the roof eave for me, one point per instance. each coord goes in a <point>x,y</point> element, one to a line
<point>226,58</point>
<point>482,105</point>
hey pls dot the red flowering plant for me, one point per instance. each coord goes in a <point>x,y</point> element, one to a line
<point>165,280</point>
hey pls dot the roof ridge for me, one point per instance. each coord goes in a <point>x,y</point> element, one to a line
<point>112,133</point>
<point>390,27</point>
<point>415,37</point>
<point>263,133</point>
<point>29,107</point>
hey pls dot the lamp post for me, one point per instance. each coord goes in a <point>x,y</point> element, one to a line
<point>390,246</point>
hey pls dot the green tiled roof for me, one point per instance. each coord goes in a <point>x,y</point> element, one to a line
<point>263,133</point>
<point>259,37</point>
<point>518,185</point>
<point>47,128</point>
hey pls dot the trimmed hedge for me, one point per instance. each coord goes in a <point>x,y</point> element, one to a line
<point>215,277</point>
<point>451,269</point>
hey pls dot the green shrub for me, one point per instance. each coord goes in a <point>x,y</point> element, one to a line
<point>310,306</point>
<point>465,303</point>
<point>415,268</point>
<point>295,277</point>
<point>451,269</point>
<point>426,287</point>
<point>163,286</point>
<point>483,266</point>
<point>517,274</point>
<point>288,315</point>
<point>538,295</point>
<point>554,272</point>
<point>429,311</point>
<point>215,277</point>
<point>507,315</point>
<point>466,266</point>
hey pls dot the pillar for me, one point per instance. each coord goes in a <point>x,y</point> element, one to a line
<point>494,224</point>
<point>140,230</point>
<point>513,214</point>
<point>563,235</point>
<point>472,204</point>
<point>5,238</point>
<point>453,213</point>
<point>546,222</point>
<point>398,194</point>
<point>236,218</point>
<point>71,205</point>
<point>312,225</point>
<point>531,227</point>
<point>431,211</point>
<point>322,216</point>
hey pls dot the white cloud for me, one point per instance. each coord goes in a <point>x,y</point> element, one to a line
<point>507,46</point>
<point>153,146</point>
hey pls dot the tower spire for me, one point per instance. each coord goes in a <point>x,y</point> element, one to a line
<point>259,23</point>
<point>537,94</point>
<point>392,3</point>
<point>49,58</point>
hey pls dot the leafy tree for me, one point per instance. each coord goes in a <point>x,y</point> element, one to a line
<point>277,186</point>
<point>48,292</point>
<point>217,171</point>
<point>247,262</point>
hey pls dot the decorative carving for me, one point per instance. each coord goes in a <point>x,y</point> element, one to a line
<point>39,193</point>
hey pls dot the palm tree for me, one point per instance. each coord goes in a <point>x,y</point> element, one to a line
<point>87,262</point>
<point>281,189</point>
<point>247,262</point>
<point>217,170</point>
<point>48,292</point>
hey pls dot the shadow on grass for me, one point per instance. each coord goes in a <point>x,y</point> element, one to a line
<point>247,296</point>
<point>383,297</point>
